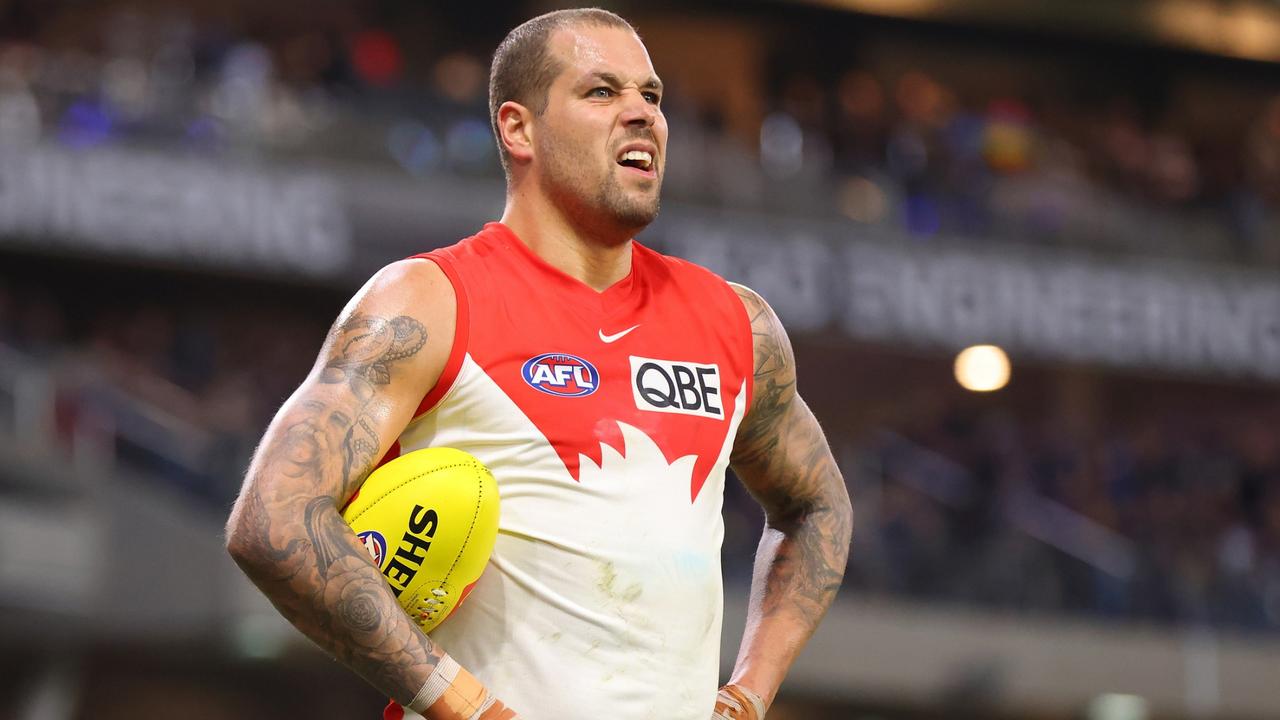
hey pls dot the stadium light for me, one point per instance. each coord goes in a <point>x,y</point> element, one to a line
<point>982,368</point>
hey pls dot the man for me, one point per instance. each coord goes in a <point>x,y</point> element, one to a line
<point>606,386</point>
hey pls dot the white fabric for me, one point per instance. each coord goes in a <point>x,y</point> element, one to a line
<point>603,593</point>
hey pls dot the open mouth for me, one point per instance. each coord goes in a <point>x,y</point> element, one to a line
<point>637,159</point>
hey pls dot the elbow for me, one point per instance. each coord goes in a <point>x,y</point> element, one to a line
<point>237,542</point>
<point>251,552</point>
<point>241,540</point>
<point>842,511</point>
<point>845,508</point>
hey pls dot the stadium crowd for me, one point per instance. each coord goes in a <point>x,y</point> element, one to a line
<point>1172,518</point>
<point>1160,516</point>
<point>1086,160</point>
<point>1153,510</point>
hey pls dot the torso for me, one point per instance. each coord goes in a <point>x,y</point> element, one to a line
<point>604,588</point>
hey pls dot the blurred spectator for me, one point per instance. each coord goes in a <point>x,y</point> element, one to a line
<point>8,313</point>
<point>1262,152</point>
<point>1158,518</point>
<point>862,123</point>
<point>908,149</point>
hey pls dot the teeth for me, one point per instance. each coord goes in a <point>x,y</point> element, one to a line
<point>643,157</point>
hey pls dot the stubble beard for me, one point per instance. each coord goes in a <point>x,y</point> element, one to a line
<point>629,210</point>
<point>607,204</point>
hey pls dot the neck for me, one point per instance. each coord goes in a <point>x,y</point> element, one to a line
<point>597,256</point>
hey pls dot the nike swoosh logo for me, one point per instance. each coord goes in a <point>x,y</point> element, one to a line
<point>616,336</point>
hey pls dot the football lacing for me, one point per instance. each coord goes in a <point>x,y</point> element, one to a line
<point>431,604</point>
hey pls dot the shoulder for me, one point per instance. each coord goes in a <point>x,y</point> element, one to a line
<point>415,283</point>
<point>774,360</point>
<point>765,326</point>
<point>751,300</point>
<point>408,301</point>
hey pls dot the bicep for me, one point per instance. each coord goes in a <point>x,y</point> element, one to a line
<point>787,467</point>
<point>384,352</point>
<point>780,454</point>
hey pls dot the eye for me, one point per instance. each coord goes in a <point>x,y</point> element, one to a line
<point>652,98</point>
<point>601,92</point>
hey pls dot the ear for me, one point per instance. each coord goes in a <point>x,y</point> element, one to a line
<point>516,130</point>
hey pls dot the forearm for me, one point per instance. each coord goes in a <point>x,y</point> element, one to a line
<point>285,531</point>
<point>309,565</point>
<point>783,458</point>
<point>798,569</point>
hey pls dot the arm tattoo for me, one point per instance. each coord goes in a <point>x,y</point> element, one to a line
<point>783,458</point>
<point>292,542</point>
<point>326,550</point>
<point>365,346</point>
<point>774,384</point>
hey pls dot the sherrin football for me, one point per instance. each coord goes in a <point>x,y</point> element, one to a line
<point>429,519</point>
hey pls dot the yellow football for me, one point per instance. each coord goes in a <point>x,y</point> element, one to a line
<point>429,519</point>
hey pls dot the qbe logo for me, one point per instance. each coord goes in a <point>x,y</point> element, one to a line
<point>561,374</point>
<point>676,387</point>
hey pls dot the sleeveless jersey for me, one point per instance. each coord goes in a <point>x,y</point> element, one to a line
<point>607,419</point>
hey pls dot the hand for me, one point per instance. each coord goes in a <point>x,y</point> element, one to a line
<point>735,702</point>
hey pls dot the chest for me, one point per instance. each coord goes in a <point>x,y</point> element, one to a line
<point>664,367</point>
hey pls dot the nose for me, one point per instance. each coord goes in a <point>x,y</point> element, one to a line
<point>637,111</point>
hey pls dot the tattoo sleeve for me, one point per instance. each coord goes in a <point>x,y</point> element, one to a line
<point>782,457</point>
<point>285,530</point>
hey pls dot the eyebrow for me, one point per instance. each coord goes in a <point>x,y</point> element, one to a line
<point>608,78</point>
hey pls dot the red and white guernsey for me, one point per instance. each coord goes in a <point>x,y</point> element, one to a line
<point>607,419</point>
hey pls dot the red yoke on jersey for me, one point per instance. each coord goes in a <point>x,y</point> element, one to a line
<point>514,308</point>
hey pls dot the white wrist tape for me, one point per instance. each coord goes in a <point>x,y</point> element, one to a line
<point>437,683</point>
<point>489,702</point>
<point>729,703</point>
<point>755,700</point>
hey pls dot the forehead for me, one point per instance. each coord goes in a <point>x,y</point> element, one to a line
<point>583,50</point>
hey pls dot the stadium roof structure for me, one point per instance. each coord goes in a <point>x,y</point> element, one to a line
<point>1244,29</point>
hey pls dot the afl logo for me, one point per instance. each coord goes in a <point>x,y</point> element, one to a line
<point>560,374</point>
<point>375,544</point>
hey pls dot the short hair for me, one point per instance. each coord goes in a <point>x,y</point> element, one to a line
<point>523,68</point>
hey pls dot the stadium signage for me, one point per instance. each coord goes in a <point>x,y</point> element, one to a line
<point>1119,311</point>
<point>862,282</point>
<point>167,207</point>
